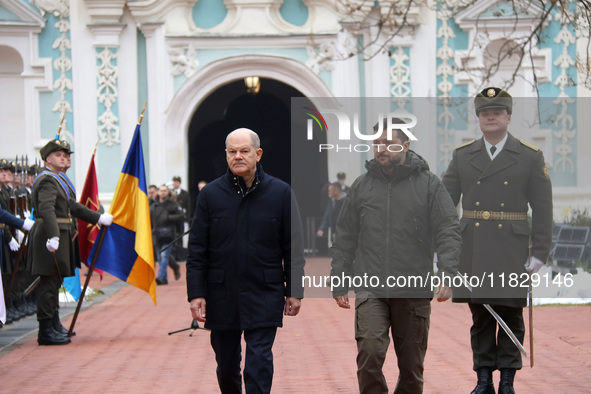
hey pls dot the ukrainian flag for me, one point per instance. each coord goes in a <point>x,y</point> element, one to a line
<point>126,251</point>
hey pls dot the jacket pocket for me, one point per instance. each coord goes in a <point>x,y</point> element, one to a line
<point>362,314</point>
<point>421,321</point>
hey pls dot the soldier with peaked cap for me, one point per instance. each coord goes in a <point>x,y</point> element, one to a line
<point>497,177</point>
<point>9,243</point>
<point>51,249</point>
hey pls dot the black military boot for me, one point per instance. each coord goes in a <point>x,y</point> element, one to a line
<point>485,383</point>
<point>11,312</point>
<point>506,382</point>
<point>48,336</point>
<point>58,326</point>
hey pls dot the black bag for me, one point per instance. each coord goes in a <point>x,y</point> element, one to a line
<point>164,235</point>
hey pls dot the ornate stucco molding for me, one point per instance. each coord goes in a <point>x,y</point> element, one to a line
<point>63,64</point>
<point>320,56</point>
<point>564,119</point>
<point>107,94</point>
<point>445,70</point>
<point>244,17</point>
<point>487,21</point>
<point>105,11</point>
<point>183,61</point>
<point>400,73</point>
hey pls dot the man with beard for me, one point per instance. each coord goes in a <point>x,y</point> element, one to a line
<point>393,219</point>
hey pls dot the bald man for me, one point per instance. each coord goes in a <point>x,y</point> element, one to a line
<point>245,263</point>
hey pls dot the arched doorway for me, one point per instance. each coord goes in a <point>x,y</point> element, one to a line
<point>268,113</point>
<point>222,80</point>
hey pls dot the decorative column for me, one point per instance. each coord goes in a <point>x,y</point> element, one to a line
<point>105,25</point>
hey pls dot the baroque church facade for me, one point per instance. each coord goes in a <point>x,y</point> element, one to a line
<point>100,61</point>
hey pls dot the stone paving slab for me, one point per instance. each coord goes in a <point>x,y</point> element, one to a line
<point>123,346</point>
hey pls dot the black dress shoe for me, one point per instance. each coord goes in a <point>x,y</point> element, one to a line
<point>48,336</point>
<point>485,383</point>
<point>161,281</point>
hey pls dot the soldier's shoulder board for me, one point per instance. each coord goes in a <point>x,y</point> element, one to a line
<point>531,146</point>
<point>466,144</point>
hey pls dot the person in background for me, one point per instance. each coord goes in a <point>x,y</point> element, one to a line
<point>341,177</point>
<point>165,214</point>
<point>152,193</point>
<point>331,213</point>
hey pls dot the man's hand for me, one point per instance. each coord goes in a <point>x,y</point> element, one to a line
<point>53,244</point>
<point>13,244</point>
<point>292,306</point>
<point>343,301</point>
<point>319,233</point>
<point>533,265</point>
<point>28,224</point>
<point>105,219</point>
<point>198,309</point>
<point>443,293</point>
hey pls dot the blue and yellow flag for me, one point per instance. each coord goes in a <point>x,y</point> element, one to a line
<point>126,251</point>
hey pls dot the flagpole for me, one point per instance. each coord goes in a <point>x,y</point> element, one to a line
<point>81,299</point>
<point>94,258</point>
<point>61,123</point>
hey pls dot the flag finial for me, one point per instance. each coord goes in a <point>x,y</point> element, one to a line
<point>57,137</point>
<point>142,115</point>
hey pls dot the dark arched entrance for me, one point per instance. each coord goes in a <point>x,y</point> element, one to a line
<point>267,113</point>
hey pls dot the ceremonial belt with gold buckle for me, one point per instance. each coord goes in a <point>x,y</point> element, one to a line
<point>1,225</point>
<point>58,220</point>
<point>491,215</point>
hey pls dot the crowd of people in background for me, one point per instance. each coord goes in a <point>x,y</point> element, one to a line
<point>170,215</point>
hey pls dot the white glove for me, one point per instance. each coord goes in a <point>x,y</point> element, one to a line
<point>13,245</point>
<point>53,244</point>
<point>27,214</point>
<point>105,219</point>
<point>28,224</point>
<point>532,266</point>
<point>20,236</point>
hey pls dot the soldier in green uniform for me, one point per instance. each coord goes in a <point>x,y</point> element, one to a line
<point>497,176</point>
<point>51,250</point>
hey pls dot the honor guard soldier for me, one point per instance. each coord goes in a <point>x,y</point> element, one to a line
<point>15,309</point>
<point>497,176</point>
<point>51,249</point>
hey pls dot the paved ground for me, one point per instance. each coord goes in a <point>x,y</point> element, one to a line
<point>123,346</point>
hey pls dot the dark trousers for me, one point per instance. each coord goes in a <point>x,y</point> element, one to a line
<point>258,365</point>
<point>491,346</point>
<point>47,296</point>
<point>408,320</point>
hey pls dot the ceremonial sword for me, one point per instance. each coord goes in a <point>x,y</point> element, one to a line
<point>499,320</point>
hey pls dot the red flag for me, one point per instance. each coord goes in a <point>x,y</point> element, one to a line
<point>87,232</point>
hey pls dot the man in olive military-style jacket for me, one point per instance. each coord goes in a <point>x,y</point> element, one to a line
<point>497,176</point>
<point>51,253</point>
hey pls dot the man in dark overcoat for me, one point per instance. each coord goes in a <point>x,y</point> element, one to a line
<point>245,264</point>
<point>51,253</point>
<point>497,177</point>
